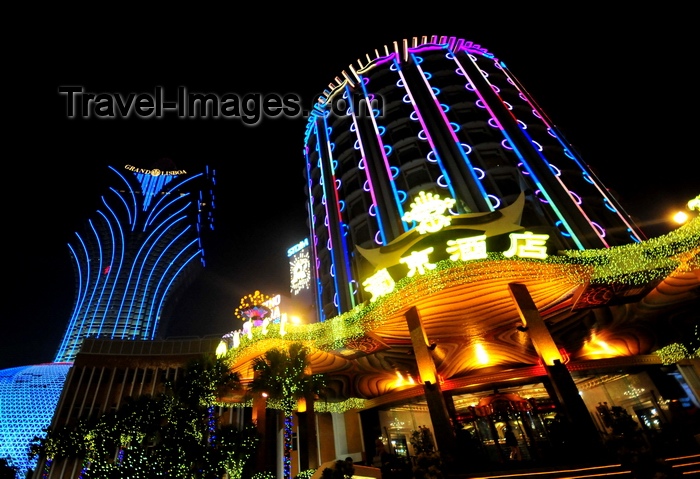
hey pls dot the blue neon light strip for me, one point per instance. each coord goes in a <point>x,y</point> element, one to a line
<point>133,198</point>
<point>104,277</point>
<point>520,156</point>
<point>456,140</point>
<point>114,277</point>
<point>387,168</point>
<point>94,288</point>
<point>156,313</point>
<point>332,187</point>
<point>80,297</point>
<point>155,266</point>
<point>558,178</point>
<point>314,238</point>
<point>363,155</point>
<point>570,154</point>
<point>143,255</point>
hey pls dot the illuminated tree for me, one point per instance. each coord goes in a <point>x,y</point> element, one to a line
<point>253,308</point>
<point>285,377</point>
<point>173,434</point>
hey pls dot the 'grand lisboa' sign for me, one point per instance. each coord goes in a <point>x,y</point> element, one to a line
<point>155,171</point>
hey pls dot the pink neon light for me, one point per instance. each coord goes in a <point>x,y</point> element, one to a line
<point>372,210</point>
<point>576,197</point>
<point>601,230</point>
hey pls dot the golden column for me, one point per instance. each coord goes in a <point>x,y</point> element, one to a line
<point>563,385</point>
<point>437,407</point>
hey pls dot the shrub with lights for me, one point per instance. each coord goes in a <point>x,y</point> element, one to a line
<point>173,434</point>
<point>282,375</point>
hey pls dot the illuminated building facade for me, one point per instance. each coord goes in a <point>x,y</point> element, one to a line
<point>28,398</point>
<point>144,243</point>
<point>450,119</point>
<point>471,274</point>
<point>460,245</point>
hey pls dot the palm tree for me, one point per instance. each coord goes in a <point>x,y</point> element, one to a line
<point>284,376</point>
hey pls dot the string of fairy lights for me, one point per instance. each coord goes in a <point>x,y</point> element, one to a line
<point>634,265</point>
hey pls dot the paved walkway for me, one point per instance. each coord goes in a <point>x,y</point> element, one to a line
<point>674,467</point>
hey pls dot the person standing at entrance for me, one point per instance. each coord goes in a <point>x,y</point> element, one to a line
<point>512,443</point>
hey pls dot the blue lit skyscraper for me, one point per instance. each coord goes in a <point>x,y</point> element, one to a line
<point>142,246</point>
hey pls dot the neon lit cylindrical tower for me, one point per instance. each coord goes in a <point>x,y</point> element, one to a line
<point>450,119</point>
<point>143,244</point>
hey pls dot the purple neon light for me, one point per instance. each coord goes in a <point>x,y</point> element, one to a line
<point>601,230</point>
<point>576,198</point>
<point>551,132</point>
<point>383,60</point>
<point>493,199</point>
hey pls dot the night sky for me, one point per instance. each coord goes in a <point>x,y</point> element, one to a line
<point>622,94</point>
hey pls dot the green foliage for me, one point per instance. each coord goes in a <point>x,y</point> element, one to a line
<point>263,475</point>
<point>173,434</point>
<point>305,474</point>
<point>283,375</point>
<point>429,463</point>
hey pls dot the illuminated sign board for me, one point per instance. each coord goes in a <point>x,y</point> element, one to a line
<point>155,171</point>
<point>299,267</point>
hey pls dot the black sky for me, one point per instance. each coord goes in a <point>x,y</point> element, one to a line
<point>622,93</point>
